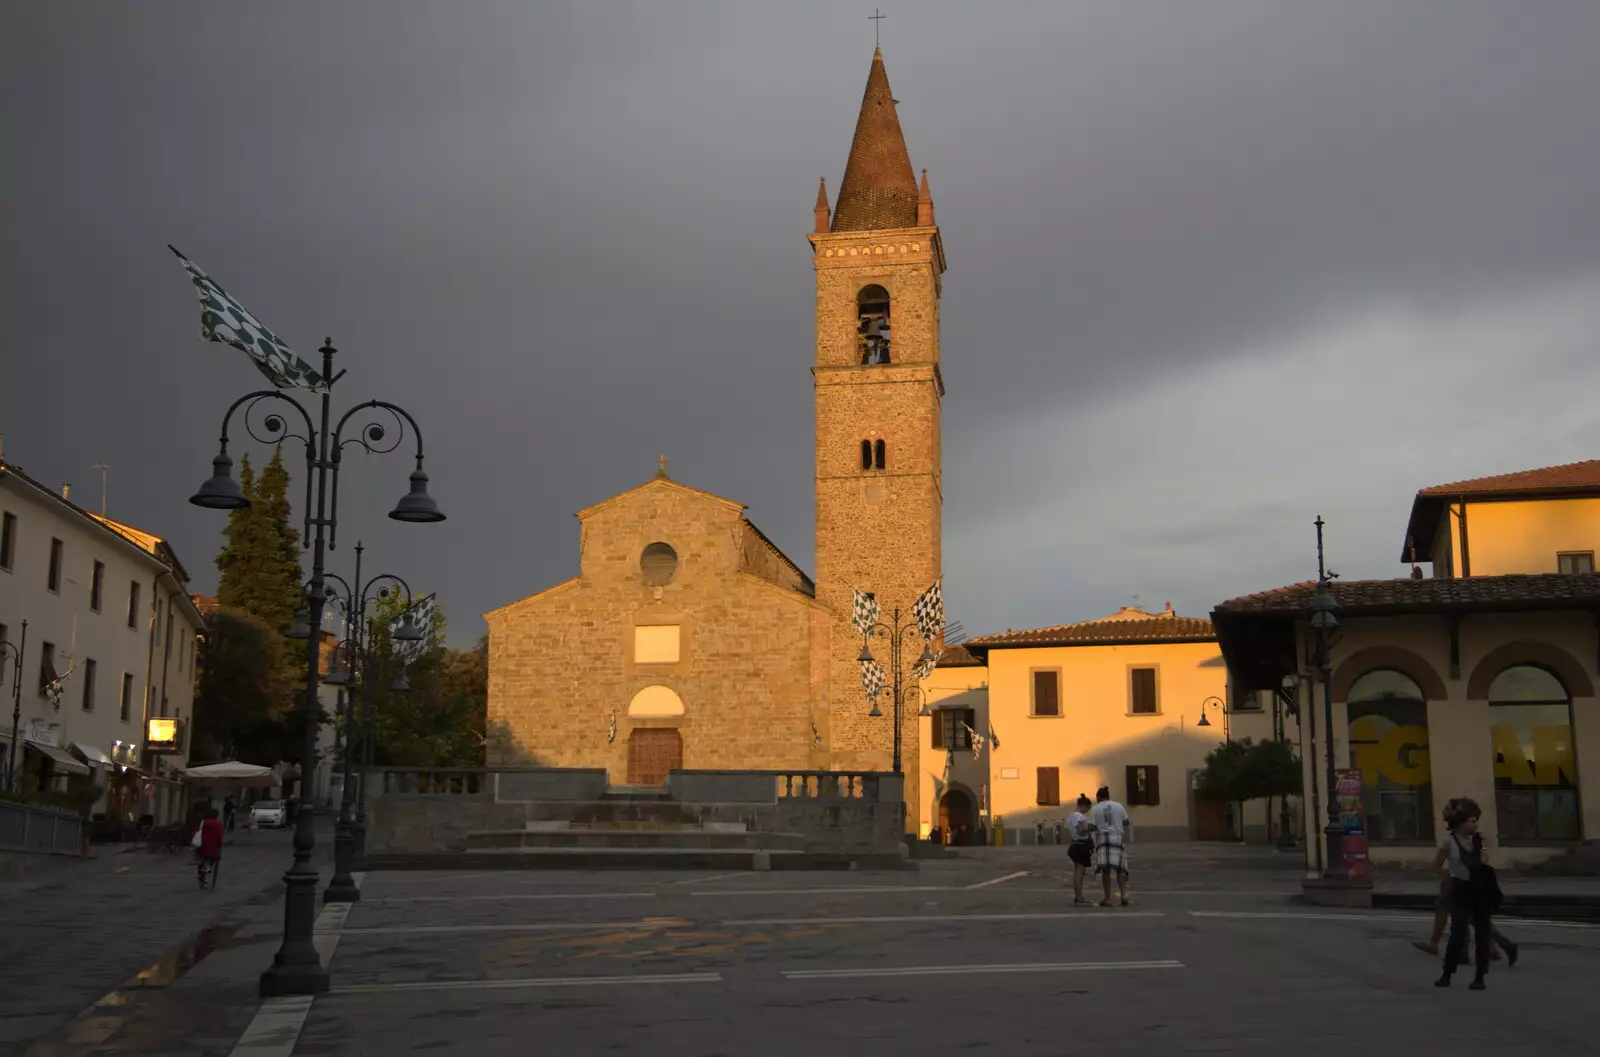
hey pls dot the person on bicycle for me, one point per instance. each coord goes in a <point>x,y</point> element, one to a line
<point>209,851</point>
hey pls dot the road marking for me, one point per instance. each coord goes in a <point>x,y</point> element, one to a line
<point>936,918</point>
<point>512,898</point>
<point>1379,916</point>
<point>708,880</point>
<point>1001,880</point>
<point>545,926</point>
<point>979,970</point>
<point>275,1029</point>
<point>870,889</point>
<point>509,985</point>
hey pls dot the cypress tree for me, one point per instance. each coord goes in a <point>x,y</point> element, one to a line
<point>259,563</point>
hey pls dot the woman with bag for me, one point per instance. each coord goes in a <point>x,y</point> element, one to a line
<point>1474,896</point>
<point>207,844</point>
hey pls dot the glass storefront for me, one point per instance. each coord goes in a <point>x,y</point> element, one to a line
<point>1535,761</point>
<point>1388,718</point>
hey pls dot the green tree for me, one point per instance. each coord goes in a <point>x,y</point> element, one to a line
<point>244,690</point>
<point>259,564</point>
<point>439,722</point>
<point>1242,770</point>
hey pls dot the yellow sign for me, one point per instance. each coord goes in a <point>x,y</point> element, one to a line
<point>161,731</point>
<point>1399,754</point>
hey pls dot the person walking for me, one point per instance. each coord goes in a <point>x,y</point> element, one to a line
<point>1474,895</point>
<point>1081,847</point>
<point>209,851</point>
<point>1441,905</point>
<point>229,811</point>
<point>1109,822</point>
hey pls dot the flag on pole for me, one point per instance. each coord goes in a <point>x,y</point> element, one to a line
<point>994,739</point>
<point>864,611</point>
<point>248,334</point>
<point>929,611</point>
<point>949,765</point>
<point>873,677</point>
<point>976,741</point>
<point>924,668</point>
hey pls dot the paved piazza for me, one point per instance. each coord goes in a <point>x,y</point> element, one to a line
<point>961,957</point>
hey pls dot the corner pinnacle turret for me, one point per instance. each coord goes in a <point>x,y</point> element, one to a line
<point>879,189</point>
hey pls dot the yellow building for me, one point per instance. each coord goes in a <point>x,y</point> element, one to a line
<point>1062,710</point>
<point>1478,681</point>
<point>688,639</point>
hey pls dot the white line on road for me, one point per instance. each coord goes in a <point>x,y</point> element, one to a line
<point>979,970</point>
<point>1380,916</point>
<point>512,898</point>
<point>869,889</point>
<point>514,984</point>
<point>933,919</point>
<point>545,926</point>
<point>1001,880</point>
<point>708,880</point>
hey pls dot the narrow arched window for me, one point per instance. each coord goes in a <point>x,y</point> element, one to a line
<point>877,455</point>
<point>866,455</point>
<point>872,324</point>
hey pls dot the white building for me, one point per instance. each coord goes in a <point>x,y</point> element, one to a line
<point>112,628</point>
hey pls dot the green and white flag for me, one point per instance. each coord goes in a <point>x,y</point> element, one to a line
<point>422,612</point>
<point>245,332</point>
<point>864,611</point>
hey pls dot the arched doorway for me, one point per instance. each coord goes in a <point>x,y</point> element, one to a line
<point>955,816</point>
<point>652,752</point>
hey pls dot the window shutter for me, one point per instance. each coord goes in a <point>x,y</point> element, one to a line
<point>1049,787</point>
<point>1046,693</point>
<point>1144,786</point>
<point>938,728</point>
<point>1153,789</point>
<point>1144,691</point>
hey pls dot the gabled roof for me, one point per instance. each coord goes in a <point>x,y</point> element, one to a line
<point>879,190</point>
<point>1569,481</point>
<point>958,657</point>
<point>660,481</point>
<point>1438,594</point>
<point>1127,625</point>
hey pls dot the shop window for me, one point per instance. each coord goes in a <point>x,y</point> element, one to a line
<point>1388,717</point>
<point>1535,760</point>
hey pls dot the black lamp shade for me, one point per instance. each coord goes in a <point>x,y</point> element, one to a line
<point>408,631</point>
<point>417,505</point>
<point>401,684</point>
<point>220,491</point>
<point>301,628</point>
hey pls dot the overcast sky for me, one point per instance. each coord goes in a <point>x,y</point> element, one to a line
<point>1214,267</point>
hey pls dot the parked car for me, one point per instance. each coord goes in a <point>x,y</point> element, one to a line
<point>269,814</point>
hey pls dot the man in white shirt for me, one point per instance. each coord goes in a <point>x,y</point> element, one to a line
<point>1109,822</point>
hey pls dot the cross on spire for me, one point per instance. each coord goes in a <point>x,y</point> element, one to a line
<point>661,466</point>
<point>876,18</point>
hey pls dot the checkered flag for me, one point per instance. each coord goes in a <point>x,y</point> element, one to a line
<point>976,740</point>
<point>864,611</point>
<point>949,766</point>
<point>423,612</point>
<point>929,611</point>
<point>924,668</point>
<point>994,739</point>
<point>247,334</point>
<point>873,677</point>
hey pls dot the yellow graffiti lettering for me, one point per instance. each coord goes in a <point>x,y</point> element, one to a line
<point>1553,756</point>
<point>1509,761</point>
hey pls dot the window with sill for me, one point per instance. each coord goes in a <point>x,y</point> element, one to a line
<point>1142,696</point>
<point>1046,692</point>
<point>1575,562</point>
<point>952,728</point>
<point>1144,785</point>
<point>1049,794</point>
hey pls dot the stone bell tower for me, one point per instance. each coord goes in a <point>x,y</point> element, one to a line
<point>879,261</point>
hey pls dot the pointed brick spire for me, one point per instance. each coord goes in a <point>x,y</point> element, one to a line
<point>879,189</point>
<point>924,203</point>
<point>822,206</point>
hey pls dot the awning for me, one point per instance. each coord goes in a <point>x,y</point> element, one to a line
<point>93,755</point>
<point>60,759</point>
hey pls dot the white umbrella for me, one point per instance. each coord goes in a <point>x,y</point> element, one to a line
<point>231,774</point>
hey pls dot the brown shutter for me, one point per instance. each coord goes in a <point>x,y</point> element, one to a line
<point>1049,786</point>
<point>1144,691</point>
<point>1153,790</point>
<point>938,728</point>
<point>1047,693</point>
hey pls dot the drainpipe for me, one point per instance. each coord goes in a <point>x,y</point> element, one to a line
<point>146,757</point>
<point>1466,551</point>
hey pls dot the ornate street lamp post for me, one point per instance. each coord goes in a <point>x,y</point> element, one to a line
<point>1324,624</point>
<point>349,851</point>
<point>296,969</point>
<point>898,635</point>
<point>1217,703</point>
<point>16,702</point>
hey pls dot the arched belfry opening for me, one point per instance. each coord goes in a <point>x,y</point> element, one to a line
<point>872,324</point>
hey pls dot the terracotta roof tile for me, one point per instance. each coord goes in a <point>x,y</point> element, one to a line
<point>1474,592</point>
<point>1572,476</point>
<point>1150,628</point>
<point>958,657</point>
<point>879,190</point>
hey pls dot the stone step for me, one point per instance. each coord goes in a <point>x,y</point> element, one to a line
<point>638,859</point>
<point>592,812</point>
<point>637,792</point>
<point>685,837</point>
<point>634,825</point>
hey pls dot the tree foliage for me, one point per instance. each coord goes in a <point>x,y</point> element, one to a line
<point>245,690</point>
<point>1242,770</point>
<point>440,721</point>
<point>259,564</point>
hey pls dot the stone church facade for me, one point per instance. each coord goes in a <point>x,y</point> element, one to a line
<point>688,639</point>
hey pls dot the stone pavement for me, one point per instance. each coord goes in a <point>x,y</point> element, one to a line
<point>75,932</point>
<point>963,956</point>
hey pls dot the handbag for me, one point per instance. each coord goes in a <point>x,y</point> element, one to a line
<point>194,841</point>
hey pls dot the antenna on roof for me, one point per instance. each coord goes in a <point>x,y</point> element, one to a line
<point>104,469</point>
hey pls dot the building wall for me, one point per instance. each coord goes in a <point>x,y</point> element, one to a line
<point>1525,537</point>
<point>562,663</point>
<point>1458,749</point>
<point>1096,738</point>
<point>954,687</point>
<point>80,633</point>
<point>877,530</point>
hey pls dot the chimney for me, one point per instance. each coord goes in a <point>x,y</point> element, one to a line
<point>1168,610</point>
<point>66,490</point>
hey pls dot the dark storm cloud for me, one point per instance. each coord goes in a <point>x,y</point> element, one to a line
<point>1214,266</point>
